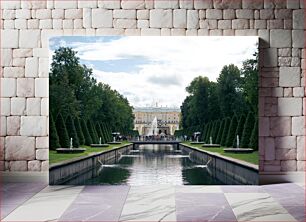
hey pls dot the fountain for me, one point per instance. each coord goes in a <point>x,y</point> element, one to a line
<point>115,134</point>
<point>99,144</point>
<point>153,131</point>
<point>237,149</point>
<point>70,149</point>
<point>211,145</point>
<point>197,135</point>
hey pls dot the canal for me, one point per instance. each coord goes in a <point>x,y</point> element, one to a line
<point>152,165</point>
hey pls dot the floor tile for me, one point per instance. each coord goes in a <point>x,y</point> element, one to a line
<point>97,203</point>
<point>198,189</point>
<point>47,205</point>
<point>150,203</point>
<point>291,199</point>
<point>203,207</point>
<point>257,207</point>
<point>298,212</point>
<point>241,189</point>
<point>283,188</point>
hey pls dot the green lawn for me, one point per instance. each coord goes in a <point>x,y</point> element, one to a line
<point>55,157</point>
<point>248,157</point>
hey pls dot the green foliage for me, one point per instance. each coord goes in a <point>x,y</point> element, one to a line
<point>254,136</point>
<point>79,130</point>
<point>225,131</point>
<point>62,132</point>
<point>54,140</point>
<point>239,130</point>
<point>87,136</point>
<point>231,132</point>
<point>74,92</point>
<point>247,130</point>
<point>215,132</point>
<point>72,133</point>
<point>100,133</point>
<point>220,131</point>
<point>92,132</point>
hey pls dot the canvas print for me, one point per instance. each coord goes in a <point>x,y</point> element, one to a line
<point>153,110</point>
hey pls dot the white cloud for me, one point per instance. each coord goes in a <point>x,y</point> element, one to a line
<point>180,59</point>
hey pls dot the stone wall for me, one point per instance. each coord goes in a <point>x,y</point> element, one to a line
<point>26,26</point>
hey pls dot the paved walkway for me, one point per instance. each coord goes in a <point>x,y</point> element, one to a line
<point>39,202</point>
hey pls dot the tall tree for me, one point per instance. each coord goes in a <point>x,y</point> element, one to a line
<point>87,136</point>
<point>62,132</point>
<point>247,130</point>
<point>225,131</point>
<point>231,132</point>
<point>54,140</point>
<point>79,131</point>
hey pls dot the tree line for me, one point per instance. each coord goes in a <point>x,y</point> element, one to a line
<point>225,108</point>
<point>80,107</point>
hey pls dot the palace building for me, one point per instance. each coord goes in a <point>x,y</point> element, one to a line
<point>168,119</point>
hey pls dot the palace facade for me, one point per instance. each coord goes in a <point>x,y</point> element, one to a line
<point>168,119</point>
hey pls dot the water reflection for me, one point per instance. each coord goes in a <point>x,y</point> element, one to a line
<point>154,164</point>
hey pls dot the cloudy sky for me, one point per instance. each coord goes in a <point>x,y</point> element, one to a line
<point>147,70</point>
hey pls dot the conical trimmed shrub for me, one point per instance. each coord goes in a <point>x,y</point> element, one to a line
<point>62,132</point>
<point>87,136</point>
<point>215,133</point>
<point>100,133</point>
<point>247,130</point>
<point>208,132</point>
<point>231,132</point>
<point>54,140</point>
<point>79,131</point>
<point>239,130</point>
<point>220,131</point>
<point>92,132</point>
<point>225,131</point>
<point>72,133</point>
<point>254,137</point>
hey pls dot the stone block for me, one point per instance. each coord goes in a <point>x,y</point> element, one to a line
<point>186,4</point>
<point>8,87</point>
<point>73,13</point>
<point>165,32</point>
<point>229,14</point>
<point>34,165</point>
<point>298,92</point>
<point>110,4</point>
<point>33,126</point>
<point>41,87</point>
<point>245,14</point>
<point>5,106</point>
<point>41,52</point>
<point>214,14</point>
<point>285,142</point>
<point>45,165</point>
<point>264,38</point>
<point>224,24</point>
<point>78,26</point>
<point>46,24</point>
<point>280,38</point>
<point>33,106</point>
<point>18,106</point>
<point>13,72</point>
<point>289,106</point>
<point>44,107</point>
<point>86,18</point>
<point>285,154</point>
<point>31,67</point>
<point>192,19</point>
<point>9,38</point>
<point>43,14</point>
<point>19,62</point>
<point>288,165</point>
<point>142,24</point>
<point>252,4</point>
<point>18,166</point>
<point>298,126</point>
<point>8,14</point>
<point>25,87</point>
<point>178,32</point>
<point>43,68</point>
<point>19,148</point>
<point>68,24</point>
<point>22,53</point>
<point>2,142</point>
<point>3,129</point>
<point>271,168</point>
<point>208,24</point>
<point>87,4</point>
<point>203,4</point>
<point>132,4</point>
<point>20,23</point>
<point>227,4</point>
<point>66,4</point>
<point>179,18</point>
<point>10,4</point>
<point>269,148</point>
<point>8,24</point>
<point>13,125</point>
<point>280,126</point>
<point>293,4</point>
<point>58,13</point>
<point>160,18</point>
<point>283,14</point>
<point>165,4</point>
<point>29,38</point>
<point>270,57</point>
<point>301,165</point>
<point>298,19</point>
<point>102,18</point>
<point>125,23</point>
<point>150,32</point>
<point>42,154</point>
<point>264,126</point>
<point>42,142</point>
<point>301,148</point>
<point>240,24</point>
<point>143,14</point>
<point>295,62</point>
<point>23,14</point>
<point>298,38</point>
<point>289,76</point>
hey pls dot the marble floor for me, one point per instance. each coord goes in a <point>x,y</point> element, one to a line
<point>40,202</point>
